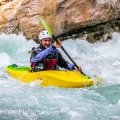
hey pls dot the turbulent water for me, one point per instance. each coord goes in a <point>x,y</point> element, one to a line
<point>19,101</point>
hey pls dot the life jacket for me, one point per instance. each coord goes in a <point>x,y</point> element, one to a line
<point>49,63</point>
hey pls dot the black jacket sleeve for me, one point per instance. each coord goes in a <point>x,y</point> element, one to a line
<point>63,63</point>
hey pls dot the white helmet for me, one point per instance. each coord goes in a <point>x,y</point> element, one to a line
<point>44,34</point>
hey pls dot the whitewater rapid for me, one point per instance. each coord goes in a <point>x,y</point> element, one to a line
<point>32,102</point>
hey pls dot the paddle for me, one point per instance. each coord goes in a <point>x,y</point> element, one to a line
<point>54,38</point>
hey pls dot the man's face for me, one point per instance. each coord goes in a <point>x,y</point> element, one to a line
<point>46,42</point>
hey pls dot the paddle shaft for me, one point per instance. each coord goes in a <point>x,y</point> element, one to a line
<point>54,38</point>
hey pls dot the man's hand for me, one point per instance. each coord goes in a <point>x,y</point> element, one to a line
<point>78,69</point>
<point>58,45</point>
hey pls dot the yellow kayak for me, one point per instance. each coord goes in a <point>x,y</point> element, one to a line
<point>58,78</point>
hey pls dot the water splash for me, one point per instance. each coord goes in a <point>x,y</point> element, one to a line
<point>55,103</point>
<point>15,48</point>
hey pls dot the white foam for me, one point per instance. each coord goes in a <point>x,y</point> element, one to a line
<point>4,59</point>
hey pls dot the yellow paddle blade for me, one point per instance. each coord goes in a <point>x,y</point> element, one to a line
<point>45,25</point>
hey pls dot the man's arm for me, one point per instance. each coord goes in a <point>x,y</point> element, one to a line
<point>43,54</point>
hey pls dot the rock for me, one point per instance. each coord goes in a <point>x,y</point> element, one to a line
<point>63,16</point>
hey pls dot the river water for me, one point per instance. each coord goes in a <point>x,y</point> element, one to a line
<point>19,101</point>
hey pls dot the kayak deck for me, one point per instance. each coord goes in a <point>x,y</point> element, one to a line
<point>58,78</point>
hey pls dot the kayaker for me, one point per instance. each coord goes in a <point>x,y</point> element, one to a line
<point>47,57</point>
